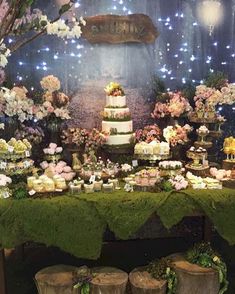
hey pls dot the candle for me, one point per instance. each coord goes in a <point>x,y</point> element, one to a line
<point>89,188</point>
<point>75,188</point>
<point>108,188</point>
<point>98,186</point>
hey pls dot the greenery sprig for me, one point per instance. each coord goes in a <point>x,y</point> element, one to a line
<point>161,269</point>
<point>202,254</point>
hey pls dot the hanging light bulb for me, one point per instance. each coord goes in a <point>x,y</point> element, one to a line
<point>211,13</point>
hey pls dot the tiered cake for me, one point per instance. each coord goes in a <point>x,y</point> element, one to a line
<point>116,116</point>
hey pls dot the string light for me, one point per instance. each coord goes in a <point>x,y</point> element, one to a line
<point>175,60</point>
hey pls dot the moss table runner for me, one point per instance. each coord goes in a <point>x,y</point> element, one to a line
<point>76,224</point>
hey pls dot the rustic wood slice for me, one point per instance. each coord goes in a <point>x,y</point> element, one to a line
<point>108,280</point>
<point>228,165</point>
<point>115,29</point>
<point>194,279</point>
<point>203,172</point>
<point>143,283</point>
<point>58,279</point>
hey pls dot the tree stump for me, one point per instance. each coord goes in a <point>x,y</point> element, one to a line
<point>108,280</point>
<point>194,279</point>
<point>143,283</point>
<point>58,279</point>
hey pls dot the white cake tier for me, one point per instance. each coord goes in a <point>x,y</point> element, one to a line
<point>116,101</point>
<point>119,139</point>
<point>118,126</point>
<point>115,112</point>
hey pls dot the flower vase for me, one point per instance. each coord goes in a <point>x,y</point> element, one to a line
<point>200,114</point>
<point>211,114</point>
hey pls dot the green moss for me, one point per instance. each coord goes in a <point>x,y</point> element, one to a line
<point>77,224</point>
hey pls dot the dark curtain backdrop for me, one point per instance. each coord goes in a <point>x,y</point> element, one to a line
<point>183,52</point>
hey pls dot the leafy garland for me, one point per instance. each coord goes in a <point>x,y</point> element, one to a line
<point>203,255</point>
<point>161,270</point>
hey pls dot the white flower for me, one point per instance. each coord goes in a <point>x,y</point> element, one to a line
<point>82,20</point>
<point>3,60</point>
<point>2,126</point>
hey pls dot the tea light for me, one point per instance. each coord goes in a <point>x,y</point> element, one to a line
<point>49,185</point>
<point>60,184</point>
<point>89,188</point>
<point>38,186</point>
<point>75,188</point>
<point>30,181</point>
<point>98,186</point>
<point>108,188</point>
<point>114,182</point>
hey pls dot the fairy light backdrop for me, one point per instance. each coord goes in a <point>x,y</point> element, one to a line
<point>184,52</point>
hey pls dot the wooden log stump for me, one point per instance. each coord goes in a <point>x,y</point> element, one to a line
<point>194,279</point>
<point>58,279</point>
<point>108,280</point>
<point>143,283</point>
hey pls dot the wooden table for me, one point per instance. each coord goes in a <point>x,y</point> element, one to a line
<point>3,286</point>
<point>207,235</point>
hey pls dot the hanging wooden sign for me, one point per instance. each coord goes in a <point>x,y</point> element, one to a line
<point>115,29</point>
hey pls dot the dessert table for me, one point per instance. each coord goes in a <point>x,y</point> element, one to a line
<point>76,223</point>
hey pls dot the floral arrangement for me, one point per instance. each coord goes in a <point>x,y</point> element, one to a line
<point>34,134</point>
<point>228,94</point>
<point>176,134</point>
<point>28,24</point>
<point>114,89</point>
<point>148,134</point>
<point>161,269</point>
<point>15,103</point>
<point>55,103</point>
<point>120,116</point>
<point>61,168</point>
<point>175,106</point>
<point>203,255</point>
<point>4,180</point>
<point>179,183</point>
<point>206,98</point>
<point>85,139</point>
<point>52,149</point>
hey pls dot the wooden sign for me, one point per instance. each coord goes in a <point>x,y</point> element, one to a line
<point>115,29</point>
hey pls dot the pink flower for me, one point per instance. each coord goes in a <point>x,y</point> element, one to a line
<point>67,169</point>
<point>51,151</point>
<point>58,150</point>
<point>44,165</point>
<point>52,146</point>
<point>58,169</point>
<point>62,163</point>
<point>50,109</point>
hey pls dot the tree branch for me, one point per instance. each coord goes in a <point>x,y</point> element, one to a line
<point>24,42</point>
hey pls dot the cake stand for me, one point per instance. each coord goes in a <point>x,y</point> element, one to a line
<point>197,167</point>
<point>152,158</point>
